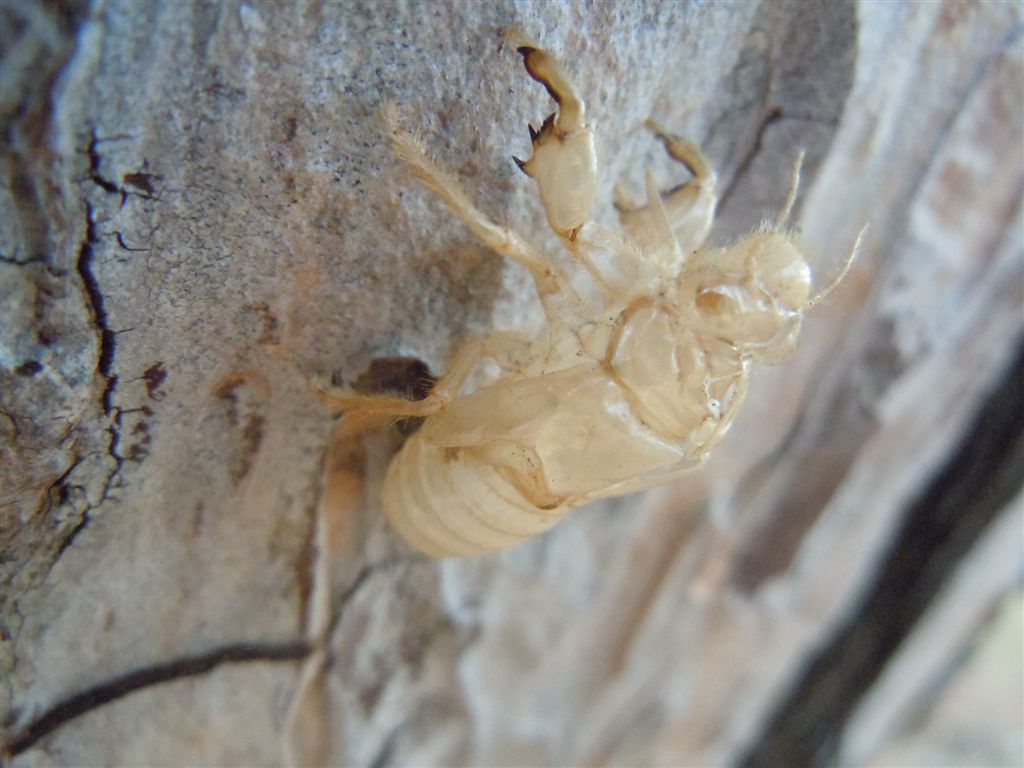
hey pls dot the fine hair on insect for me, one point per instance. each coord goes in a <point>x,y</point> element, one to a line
<point>630,384</point>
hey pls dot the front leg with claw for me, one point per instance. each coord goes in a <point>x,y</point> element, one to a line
<point>564,163</point>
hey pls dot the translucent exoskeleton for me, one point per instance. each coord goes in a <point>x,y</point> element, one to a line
<point>631,384</point>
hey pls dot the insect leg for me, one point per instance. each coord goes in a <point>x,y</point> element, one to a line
<point>642,483</point>
<point>777,351</point>
<point>442,393</point>
<point>689,208</point>
<point>502,240</point>
<point>622,269</point>
<point>544,68</point>
<point>684,151</point>
<point>622,201</point>
<point>564,162</point>
<point>725,421</point>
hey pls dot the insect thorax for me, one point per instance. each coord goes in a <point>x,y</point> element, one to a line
<point>681,383</point>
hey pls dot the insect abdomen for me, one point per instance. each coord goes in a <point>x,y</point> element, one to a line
<point>446,502</point>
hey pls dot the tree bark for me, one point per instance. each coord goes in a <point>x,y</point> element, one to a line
<point>201,214</point>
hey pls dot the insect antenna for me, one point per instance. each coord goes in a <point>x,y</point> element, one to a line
<point>783,216</point>
<point>842,272</point>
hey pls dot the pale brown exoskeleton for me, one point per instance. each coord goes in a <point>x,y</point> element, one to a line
<point>629,386</point>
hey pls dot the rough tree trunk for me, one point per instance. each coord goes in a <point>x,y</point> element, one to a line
<point>199,214</point>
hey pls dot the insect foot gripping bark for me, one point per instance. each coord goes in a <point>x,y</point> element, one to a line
<point>632,383</point>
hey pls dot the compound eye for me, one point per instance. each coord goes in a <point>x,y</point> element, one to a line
<point>715,302</point>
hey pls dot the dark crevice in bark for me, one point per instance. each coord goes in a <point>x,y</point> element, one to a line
<point>758,564</point>
<point>386,750</point>
<point>939,529</point>
<point>100,694</point>
<point>94,295</point>
<point>141,182</point>
<point>357,583</point>
<point>771,116</point>
<point>82,524</point>
<point>305,561</point>
<point>40,259</point>
<point>57,495</point>
<point>94,172</point>
<point>104,693</point>
<point>104,365</point>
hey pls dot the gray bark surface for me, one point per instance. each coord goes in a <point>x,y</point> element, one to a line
<point>199,214</point>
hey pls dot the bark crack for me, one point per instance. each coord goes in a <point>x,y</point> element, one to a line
<point>771,115</point>
<point>41,259</point>
<point>104,364</point>
<point>142,183</point>
<point>94,295</point>
<point>307,704</point>
<point>939,529</point>
<point>96,696</point>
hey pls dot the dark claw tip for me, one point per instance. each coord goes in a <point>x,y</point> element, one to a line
<point>533,132</point>
<point>525,50</point>
<point>521,164</point>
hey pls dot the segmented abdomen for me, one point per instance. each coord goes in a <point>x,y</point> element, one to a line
<point>447,503</point>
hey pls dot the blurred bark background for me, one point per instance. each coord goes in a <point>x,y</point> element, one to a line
<point>199,214</point>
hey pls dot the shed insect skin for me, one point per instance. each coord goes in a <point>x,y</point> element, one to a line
<point>627,388</point>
